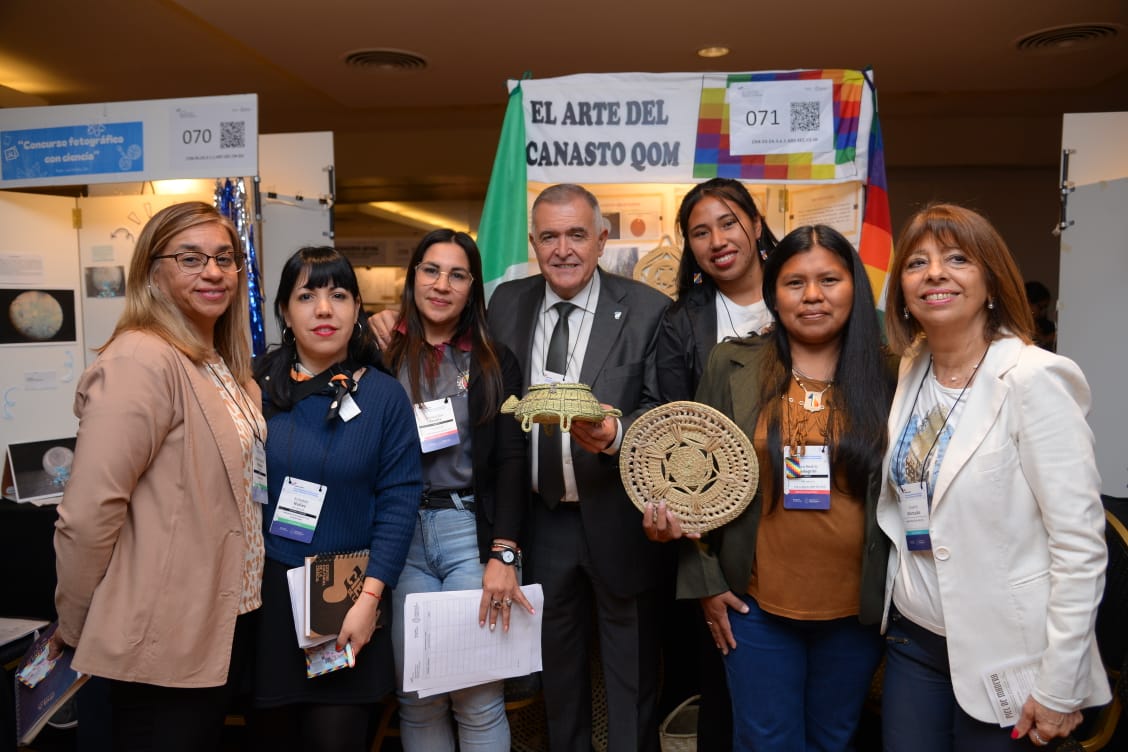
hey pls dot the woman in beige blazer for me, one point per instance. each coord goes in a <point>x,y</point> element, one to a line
<point>991,498</point>
<point>159,542</point>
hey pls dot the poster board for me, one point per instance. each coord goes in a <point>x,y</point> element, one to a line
<point>292,165</point>
<point>38,251</point>
<point>638,141</point>
<point>1092,306</point>
<point>71,255</point>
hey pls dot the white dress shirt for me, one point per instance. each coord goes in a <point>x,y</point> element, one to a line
<point>579,333</point>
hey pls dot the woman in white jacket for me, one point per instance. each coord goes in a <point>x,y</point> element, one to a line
<point>991,499</point>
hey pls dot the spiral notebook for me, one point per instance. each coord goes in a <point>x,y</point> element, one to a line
<point>333,582</point>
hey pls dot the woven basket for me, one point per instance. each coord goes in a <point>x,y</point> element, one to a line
<point>557,404</point>
<point>695,459</point>
<point>678,733</point>
<point>659,267</point>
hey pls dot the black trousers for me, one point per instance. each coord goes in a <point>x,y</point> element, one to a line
<point>150,718</point>
<point>628,639</point>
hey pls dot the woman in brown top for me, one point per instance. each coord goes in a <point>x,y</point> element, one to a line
<point>791,590</point>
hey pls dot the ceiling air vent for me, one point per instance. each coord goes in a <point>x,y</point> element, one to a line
<point>1068,38</point>
<point>385,60</point>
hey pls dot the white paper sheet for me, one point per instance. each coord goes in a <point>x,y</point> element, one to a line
<point>295,578</point>
<point>445,649</point>
<point>1010,686</point>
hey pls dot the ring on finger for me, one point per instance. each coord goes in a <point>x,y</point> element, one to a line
<point>508,602</point>
<point>496,604</point>
<point>708,623</point>
<point>1038,738</point>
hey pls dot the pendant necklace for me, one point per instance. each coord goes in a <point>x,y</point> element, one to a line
<point>813,399</point>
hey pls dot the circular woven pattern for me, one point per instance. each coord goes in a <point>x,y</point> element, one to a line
<point>692,457</point>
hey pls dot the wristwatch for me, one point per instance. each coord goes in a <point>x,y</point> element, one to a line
<point>507,556</point>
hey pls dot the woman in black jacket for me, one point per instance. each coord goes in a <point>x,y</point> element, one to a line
<point>474,476</point>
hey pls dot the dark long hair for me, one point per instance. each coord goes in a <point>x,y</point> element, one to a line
<point>411,348</point>
<point>862,388</point>
<point>730,193</point>
<point>327,267</point>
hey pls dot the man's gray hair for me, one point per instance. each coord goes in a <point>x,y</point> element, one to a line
<point>563,193</point>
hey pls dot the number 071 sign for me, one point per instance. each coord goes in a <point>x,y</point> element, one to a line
<point>781,117</point>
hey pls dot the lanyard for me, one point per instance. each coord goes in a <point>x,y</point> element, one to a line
<point>239,403</point>
<point>900,459</point>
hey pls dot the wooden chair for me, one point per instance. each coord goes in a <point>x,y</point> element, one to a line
<point>1112,639</point>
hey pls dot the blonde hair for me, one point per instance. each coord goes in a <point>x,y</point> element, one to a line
<point>149,312</point>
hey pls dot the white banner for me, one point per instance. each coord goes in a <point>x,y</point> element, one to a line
<point>611,128</point>
<point>201,137</point>
<point>685,127</point>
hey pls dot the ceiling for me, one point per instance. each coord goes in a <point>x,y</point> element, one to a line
<point>954,89</point>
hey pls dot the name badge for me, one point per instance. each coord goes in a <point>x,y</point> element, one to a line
<point>299,506</point>
<point>806,478</point>
<point>551,377</point>
<point>348,409</point>
<point>914,515</point>
<point>436,424</point>
<point>259,492</point>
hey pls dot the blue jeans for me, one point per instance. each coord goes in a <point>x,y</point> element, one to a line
<point>444,556</point>
<point>919,712</point>
<point>798,685</point>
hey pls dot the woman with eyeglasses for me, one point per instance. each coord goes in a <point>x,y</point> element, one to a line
<point>159,548</point>
<point>342,431</point>
<point>475,483</point>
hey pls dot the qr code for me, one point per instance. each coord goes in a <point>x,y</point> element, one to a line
<point>233,134</point>
<point>804,116</point>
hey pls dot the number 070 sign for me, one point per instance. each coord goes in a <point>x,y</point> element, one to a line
<point>781,117</point>
<point>220,135</point>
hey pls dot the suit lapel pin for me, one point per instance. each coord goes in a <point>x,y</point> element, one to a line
<point>618,315</point>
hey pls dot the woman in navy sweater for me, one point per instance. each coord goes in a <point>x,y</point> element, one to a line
<point>338,424</point>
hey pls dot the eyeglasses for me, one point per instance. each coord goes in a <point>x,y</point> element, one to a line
<point>193,262</point>
<point>458,279</point>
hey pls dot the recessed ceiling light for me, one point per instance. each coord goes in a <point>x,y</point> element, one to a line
<point>715,50</point>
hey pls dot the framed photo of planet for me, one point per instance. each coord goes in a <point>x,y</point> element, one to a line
<point>38,470</point>
<point>29,317</point>
<point>104,281</point>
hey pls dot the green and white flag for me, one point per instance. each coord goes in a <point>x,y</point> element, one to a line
<point>503,234</point>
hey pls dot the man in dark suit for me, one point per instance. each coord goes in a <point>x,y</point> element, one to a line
<point>576,323</point>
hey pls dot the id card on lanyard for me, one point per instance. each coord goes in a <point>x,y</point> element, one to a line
<point>299,507</point>
<point>437,426</point>
<point>806,478</point>
<point>259,492</point>
<point>913,499</point>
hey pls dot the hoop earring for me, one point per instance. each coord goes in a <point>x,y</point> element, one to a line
<point>905,313</point>
<point>359,329</point>
<point>293,340</point>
